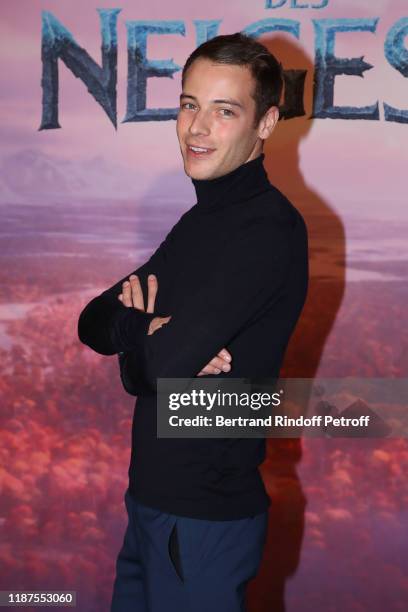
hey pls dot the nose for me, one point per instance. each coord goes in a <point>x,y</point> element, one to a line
<point>199,124</point>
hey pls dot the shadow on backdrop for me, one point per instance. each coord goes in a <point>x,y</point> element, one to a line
<point>266,593</point>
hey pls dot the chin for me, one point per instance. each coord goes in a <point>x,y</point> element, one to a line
<point>196,175</point>
<point>194,171</point>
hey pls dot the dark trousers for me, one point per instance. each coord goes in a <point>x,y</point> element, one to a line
<point>172,563</point>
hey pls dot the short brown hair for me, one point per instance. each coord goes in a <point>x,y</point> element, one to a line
<point>243,50</point>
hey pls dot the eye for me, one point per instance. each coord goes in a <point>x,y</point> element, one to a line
<point>228,111</point>
<point>186,103</point>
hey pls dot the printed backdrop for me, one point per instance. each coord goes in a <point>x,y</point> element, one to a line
<point>84,204</point>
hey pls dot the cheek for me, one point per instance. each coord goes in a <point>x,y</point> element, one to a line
<point>180,124</point>
<point>184,125</point>
<point>229,130</point>
<point>223,127</point>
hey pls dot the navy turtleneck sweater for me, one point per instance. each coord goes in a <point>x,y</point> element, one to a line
<point>233,273</point>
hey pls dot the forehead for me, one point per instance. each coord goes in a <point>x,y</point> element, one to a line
<point>206,79</point>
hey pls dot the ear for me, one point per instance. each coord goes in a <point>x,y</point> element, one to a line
<point>268,122</point>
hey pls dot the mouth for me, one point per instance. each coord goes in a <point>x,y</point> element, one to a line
<point>198,152</point>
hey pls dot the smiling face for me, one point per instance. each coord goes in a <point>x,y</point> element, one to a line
<point>217,113</point>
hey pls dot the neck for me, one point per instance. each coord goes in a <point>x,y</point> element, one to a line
<point>242,183</point>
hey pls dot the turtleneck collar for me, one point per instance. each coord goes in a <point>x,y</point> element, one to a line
<point>242,183</point>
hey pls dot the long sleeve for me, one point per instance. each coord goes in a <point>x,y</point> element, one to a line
<point>132,374</point>
<point>244,282</point>
<point>106,325</point>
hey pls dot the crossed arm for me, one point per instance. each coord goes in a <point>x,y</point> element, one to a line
<point>132,297</point>
<point>247,279</point>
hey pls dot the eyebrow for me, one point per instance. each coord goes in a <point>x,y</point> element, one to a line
<point>226,101</point>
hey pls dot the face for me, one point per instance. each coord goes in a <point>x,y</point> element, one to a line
<point>217,113</point>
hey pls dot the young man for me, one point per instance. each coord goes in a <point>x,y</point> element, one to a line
<point>223,293</point>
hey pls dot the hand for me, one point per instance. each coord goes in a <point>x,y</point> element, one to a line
<point>221,362</point>
<point>132,296</point>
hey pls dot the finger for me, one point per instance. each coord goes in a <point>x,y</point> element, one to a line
<point>219,363</point>
<point>120,297</point>
<point>152,286</point>
<point>159,321</point>
<point>225,355</point>
<point>209,369</point>
<point>153,326</point>
<point>127,294</point>
<point>137,293</point>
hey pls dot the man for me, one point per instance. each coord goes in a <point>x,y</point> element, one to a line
<point>223,293</point>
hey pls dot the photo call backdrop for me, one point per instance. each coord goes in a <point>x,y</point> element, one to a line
<point>92,180</point>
